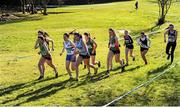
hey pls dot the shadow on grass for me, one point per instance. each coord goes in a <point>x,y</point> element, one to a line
<point>10,89</point>
<point>140,98</point>
<point>47,90</point>
<point>134,68</point>
<point>159,69</point>
<point>151,29</point>
<point>53,88</point>
<point>59,12</point>
<point>103,75</point>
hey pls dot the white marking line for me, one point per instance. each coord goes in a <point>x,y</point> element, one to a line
<point>136,88</point>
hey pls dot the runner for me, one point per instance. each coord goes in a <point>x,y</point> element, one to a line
<point>172,38</point>
<point>136,5</point>
<point>144,43</point>
<point>83,55</point>
<point>91,44</point>
<point>46,56</point>
<point>128,42</point>
<point>70,57</point>
<point>113,51</point>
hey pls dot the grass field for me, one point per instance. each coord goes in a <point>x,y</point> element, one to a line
<point>18,59</point>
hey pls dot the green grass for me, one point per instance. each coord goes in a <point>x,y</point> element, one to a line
<point>18,85</point>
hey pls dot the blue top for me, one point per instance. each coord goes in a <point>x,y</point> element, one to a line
<point>81,48</point>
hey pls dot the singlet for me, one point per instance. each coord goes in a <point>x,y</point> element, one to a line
<point>171,36</point>
<point>69,48</point>
<point>112,42</point>
<point>43,48</point>
<point>47,43</point>
<point>79,46</point>
<point>144,43</point>
<point>128,40</point>
<point>90,44</point>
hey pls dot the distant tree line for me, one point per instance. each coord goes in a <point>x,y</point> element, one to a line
<point>33,6</point>
<point>29,6</point>
<point>54,2</point>
<point>77,2</point>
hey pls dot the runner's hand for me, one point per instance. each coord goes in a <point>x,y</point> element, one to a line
<point>164,40</point>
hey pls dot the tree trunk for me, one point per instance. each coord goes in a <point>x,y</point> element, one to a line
<point>22,6</point>
<point>32,8</point>
<point>161,20</point>
<point>45,7</point>
<point>162,12</point>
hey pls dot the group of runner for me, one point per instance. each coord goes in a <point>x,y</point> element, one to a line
<point>83,49</point>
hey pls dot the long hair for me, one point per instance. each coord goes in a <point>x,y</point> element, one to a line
<point>46,34</point>
<point>66,34</point>
<point>112,30</point>
<point>78,35</point>
<point>87,34</point>
<point>41,32</point>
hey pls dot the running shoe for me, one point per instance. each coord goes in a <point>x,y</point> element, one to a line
<point>126,64</point>
<point>107,72</point>
<point>40,77</point>
<point>95,71</point>
<point>133,59</point>
<point>122,69</point>
<point>56,75</point>
<point>99,64</point>
<point>70,78</point>
<point>76,79</point>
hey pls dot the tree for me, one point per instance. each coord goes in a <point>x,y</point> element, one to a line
<point>164,6</point>
<point>44,2</point>
<point>23,6</point>
<point>60,2</point>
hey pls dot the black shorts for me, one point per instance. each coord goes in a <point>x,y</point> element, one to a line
<point>84,56</point>
<point>115,51</point>
<point>143,49</point>
<point>92,54</point>
<point>130,46</point>
<point>47,57</point>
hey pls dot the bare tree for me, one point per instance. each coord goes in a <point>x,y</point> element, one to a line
<point>164,6</point>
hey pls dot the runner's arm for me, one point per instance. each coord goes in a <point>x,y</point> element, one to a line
<point>84,46</point>
<point>36,44</point>
<point>74,46</point>
<point>94,46</point>
<point>52,42</point>
<point>62,50</point>
<point>165,36</point>
<point>176,34</point>
<point>131,39</point>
